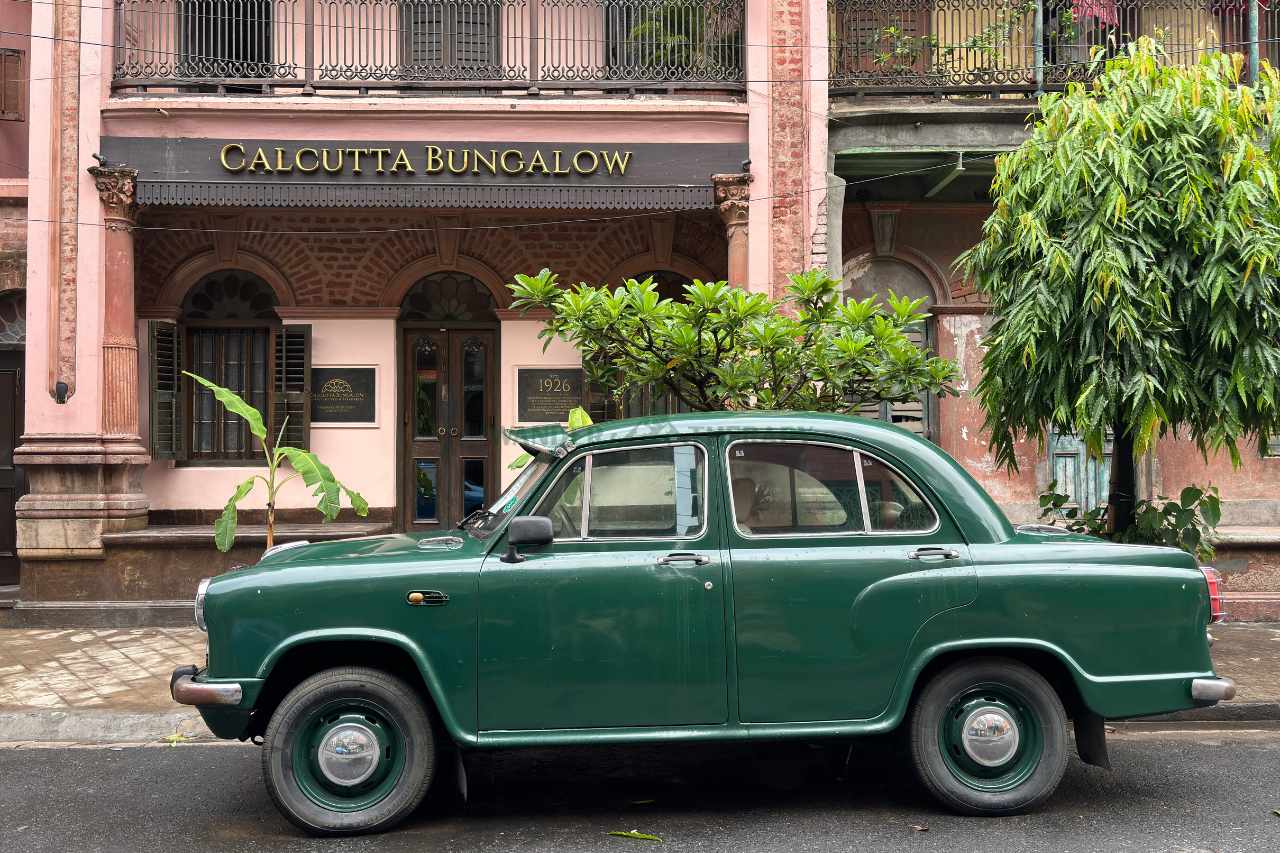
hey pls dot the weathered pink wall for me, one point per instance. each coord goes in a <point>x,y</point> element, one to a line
<point>521,347</point>
<point>362,457</point>
<point>1179,464</point>
<point>16,18</point>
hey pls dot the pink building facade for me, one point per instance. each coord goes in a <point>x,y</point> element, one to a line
<point>320,206</point>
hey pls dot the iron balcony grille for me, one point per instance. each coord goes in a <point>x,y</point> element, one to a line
<point>1021,46</point>
<point>269,46</point>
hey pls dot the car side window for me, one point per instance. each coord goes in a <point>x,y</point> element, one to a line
<point>893,504</point>
<point>641,492</point>
<point>563,503</point>
<point>794,487</point>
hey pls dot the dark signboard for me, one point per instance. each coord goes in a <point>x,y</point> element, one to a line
<point>343,395</point>
<point>547,395</point>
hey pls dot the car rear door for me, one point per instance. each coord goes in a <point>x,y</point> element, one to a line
<point>838,557</point>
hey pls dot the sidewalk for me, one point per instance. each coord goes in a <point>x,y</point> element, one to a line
<point>113,685</point>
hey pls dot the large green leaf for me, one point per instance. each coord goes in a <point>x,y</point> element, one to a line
<point>317,476</point>
<point>224,529</point>
<point>236,404</point>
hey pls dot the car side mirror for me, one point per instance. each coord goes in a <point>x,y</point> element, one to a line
<point>527,530</point>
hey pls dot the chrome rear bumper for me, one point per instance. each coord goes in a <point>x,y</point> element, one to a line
<point>185,690</point>
<point>1212,689</point>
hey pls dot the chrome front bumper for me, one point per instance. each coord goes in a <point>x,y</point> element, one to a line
<point>185,690</point>
<point>1212,689</point>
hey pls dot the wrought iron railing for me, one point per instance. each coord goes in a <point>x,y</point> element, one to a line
<point>889,46</point>
<point>318,45</point>
<point>12,83</point>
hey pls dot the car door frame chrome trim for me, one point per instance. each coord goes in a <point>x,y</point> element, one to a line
<point>856,453</point>
<point>589,452</point>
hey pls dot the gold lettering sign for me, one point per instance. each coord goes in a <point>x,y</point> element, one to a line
<point>245,158</point>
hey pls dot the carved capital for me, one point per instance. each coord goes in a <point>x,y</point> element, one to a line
<point>117,185</point>
<point>733,193</point>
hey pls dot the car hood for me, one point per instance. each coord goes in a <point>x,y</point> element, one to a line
<point>394,547</point>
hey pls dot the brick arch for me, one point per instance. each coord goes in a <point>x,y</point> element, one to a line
<point>410,274</point>
<point>192,270</point>
<point>677,263</point>
<point>907,256</point>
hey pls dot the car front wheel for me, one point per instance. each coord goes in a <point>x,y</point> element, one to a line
<point>989,737</point>
<point>349,750</point>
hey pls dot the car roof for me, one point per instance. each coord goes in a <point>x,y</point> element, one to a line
<point>977,515</point>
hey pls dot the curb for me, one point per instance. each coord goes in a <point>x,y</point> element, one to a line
<point>1225,712</point>
<point>97,726</point>
<point>94,726</point>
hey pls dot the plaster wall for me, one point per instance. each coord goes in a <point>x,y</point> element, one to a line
<point>521,347</point>
<point>16,18</point>
<point>362,457</point>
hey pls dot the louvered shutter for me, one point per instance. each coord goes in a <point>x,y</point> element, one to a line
<point>167,405</point>
<point>292,387</point>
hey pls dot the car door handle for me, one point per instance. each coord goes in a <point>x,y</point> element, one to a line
<point>696,559</point>
<point>931,551</point>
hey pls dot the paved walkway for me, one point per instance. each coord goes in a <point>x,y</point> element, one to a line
<point>124,670</point>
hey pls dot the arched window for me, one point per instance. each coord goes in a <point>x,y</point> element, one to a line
<point>13,318</point>
<point>449,297</point>
<point>869,275</point>
<point>230,334</point>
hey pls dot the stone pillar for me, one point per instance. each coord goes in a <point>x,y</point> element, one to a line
<point>116,185</point>
<point>733,194</point>
<point>87,484</point>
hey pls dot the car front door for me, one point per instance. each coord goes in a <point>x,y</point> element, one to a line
<point>837,560</point>
<point>621,620</point>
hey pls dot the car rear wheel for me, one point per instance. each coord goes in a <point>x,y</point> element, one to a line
<point>348,751</point>
<point>989,737</point>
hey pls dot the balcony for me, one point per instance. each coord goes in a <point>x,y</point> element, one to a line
<point>1022,46</point>
<point>427,46</point>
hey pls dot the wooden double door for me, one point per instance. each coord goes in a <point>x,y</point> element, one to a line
<point>450,425</point>
<point>12,481</point>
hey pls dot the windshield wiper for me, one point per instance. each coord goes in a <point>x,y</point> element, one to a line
<point>475,515</point>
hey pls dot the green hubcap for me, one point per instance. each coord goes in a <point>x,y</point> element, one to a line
<point>990,738</point>
<point>348,755</point>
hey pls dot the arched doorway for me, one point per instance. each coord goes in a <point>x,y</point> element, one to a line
<point>13,339</point>
<point>872,275</point>
<point>449,397</point>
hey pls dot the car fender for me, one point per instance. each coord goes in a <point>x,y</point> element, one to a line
<point>393,638</point>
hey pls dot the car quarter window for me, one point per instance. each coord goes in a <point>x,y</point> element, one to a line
<point>641,492</point>
<point>893,504</point>
<point>793,487</point>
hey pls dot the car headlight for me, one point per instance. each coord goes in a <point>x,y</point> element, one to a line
<point>200,593</point>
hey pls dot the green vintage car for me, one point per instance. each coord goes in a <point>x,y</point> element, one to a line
<point>701,577</point>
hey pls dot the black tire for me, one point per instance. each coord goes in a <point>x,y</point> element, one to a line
<point>392,709</point>
<point>958,781</point>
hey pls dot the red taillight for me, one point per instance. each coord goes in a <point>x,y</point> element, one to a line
<point>1217,613</point>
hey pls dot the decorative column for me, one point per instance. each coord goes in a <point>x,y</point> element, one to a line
<point>117,185</point>
<point>86,482</point>
<point>733,194</point>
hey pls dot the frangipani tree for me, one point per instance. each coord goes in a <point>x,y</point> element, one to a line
<point>723,347</point>
<point>1131,265</point>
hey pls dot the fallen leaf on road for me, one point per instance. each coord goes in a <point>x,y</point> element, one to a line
<point>919,827</point>
<point>1276,812</point>
<point>636,834</point>
<point>643,802</point>
<point>176,738</point>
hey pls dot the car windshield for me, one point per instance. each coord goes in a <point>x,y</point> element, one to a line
<point>482,522</point>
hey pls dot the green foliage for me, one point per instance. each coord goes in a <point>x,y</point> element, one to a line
<point>725,348</point>
<point>898,50</point>
<point>314,473</point>
<point>680,35</point>
<point>1131,261</point>
<point>1187,523</point>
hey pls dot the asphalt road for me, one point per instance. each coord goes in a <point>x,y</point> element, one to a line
<point>1195,791</point>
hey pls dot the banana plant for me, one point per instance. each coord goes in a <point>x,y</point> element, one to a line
<point>306,465</point>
